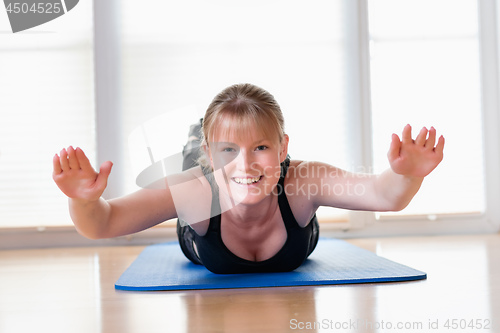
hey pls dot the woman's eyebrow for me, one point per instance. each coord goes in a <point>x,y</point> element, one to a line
<point>261,141</point>
<point>251,143</point>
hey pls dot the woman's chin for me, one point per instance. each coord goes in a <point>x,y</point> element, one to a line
<point>240,195</point>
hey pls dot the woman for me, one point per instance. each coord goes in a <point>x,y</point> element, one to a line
<point>246,207</point>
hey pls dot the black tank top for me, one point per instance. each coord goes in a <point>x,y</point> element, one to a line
<point>300,242</point>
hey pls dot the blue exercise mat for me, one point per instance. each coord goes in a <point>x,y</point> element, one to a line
<point>164,267</point>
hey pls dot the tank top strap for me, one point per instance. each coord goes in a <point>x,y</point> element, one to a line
<point>286,210</point>
<point>215,209</point>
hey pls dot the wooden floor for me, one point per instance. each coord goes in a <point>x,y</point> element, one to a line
<point>72,290</point>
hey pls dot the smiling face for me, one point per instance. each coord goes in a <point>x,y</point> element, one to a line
<point>246,160</point>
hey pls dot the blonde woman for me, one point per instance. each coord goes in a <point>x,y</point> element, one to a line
<point>242,204</point>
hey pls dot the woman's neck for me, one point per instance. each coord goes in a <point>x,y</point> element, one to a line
<point>249,216</point>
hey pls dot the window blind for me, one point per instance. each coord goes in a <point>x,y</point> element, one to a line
<point>427,73</point>
<point>46,88</point>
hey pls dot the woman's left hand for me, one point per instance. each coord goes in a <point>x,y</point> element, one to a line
<point>415,158</point>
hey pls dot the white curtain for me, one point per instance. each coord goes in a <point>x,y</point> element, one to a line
<point>46,103</point>
<point>427,73</point>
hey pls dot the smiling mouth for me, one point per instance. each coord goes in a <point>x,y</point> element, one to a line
<point>246,181</point>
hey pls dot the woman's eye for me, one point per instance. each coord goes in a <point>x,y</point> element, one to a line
<point>261,148</point>
<point>228,149</point>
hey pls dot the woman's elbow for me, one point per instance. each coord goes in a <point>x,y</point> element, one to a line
<point>397,206</point>
<point>392,205</point>
<point>91,234</point>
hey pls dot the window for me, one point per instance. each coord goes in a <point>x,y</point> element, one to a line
<point>47,103</point>
<point>429,74</point>
<point>347,74</point>
<point>439,65</point>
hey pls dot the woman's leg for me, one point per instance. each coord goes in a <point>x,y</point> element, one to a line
<point>314,235</point>
<point>190,154</point>
<point>186,242</point>
<point>191,151</point>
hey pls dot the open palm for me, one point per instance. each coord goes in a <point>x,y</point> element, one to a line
<point>76,177</point>
<point>415,158</point>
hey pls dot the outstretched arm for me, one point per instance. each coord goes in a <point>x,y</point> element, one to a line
<point>410,161</point>
<point>95,217</point>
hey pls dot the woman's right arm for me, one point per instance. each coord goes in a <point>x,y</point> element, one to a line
<point>95,217</point>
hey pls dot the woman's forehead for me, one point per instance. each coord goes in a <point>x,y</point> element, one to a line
<point>247,130</point>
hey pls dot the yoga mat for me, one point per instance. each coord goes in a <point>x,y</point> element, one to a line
<point>164,267</point>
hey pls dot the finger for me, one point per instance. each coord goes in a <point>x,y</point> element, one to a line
<point>57,165</point>
<point>72,160</point>
<point>63,158</point>
<point>440,147</point>
<point>407,135</point>
<point>83,160</point>
<point>431,141</point>
<point>102,177</point>
<point>394,148</point>
<point>422,137</point>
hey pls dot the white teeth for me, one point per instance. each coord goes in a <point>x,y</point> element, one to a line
<point>246,180</point>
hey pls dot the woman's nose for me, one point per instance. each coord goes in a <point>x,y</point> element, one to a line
<point>244,160</point>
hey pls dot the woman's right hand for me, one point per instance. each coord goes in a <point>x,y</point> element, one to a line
<point>75,176</point>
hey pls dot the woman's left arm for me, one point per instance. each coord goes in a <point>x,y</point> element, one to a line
<point>410,161</point>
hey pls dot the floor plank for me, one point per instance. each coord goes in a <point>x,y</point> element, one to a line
<point>72,290</point>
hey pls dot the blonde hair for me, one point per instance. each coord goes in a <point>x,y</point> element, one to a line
<point>242,105</point>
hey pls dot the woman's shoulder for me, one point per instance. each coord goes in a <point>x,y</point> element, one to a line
<point>306,171</point>
<point>193,177</point>
<point>190,188</point>
<point>297,190</point>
